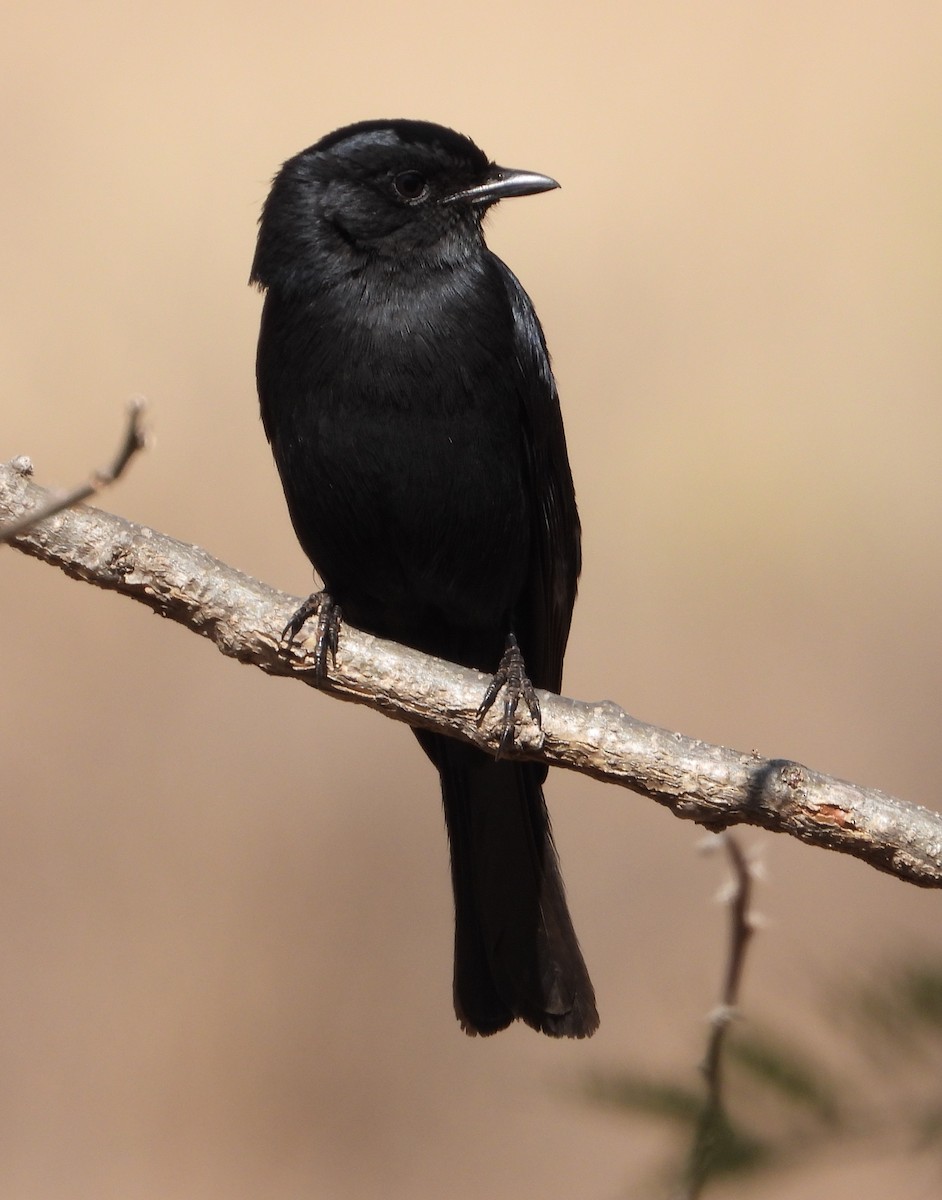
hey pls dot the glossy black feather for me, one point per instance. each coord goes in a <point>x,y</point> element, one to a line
<point>407,394</point>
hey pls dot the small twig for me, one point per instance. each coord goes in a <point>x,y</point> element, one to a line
<point>134,440</point>
<point>712,1127</point>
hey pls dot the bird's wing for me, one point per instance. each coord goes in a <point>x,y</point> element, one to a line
<point>543,623</point>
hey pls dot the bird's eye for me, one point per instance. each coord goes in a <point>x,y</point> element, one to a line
<point>411,185</point>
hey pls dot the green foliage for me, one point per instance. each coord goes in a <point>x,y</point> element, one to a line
<point>722,1148</point>
<point>646,1097</point>
<point>787,1072</point>
<point>780,1103</point>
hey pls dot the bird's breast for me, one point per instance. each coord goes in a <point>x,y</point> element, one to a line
<point>402,460</point>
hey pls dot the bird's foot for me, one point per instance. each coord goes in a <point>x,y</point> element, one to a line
<point>327,633</point>
<point>512,678</point>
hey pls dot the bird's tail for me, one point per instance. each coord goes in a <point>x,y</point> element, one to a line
<point>516,953</point>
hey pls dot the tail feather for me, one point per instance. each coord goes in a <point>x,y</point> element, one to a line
<point>516,953</point>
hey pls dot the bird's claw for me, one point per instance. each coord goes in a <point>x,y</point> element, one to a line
<point>326,634</point>
<point>512,678</point>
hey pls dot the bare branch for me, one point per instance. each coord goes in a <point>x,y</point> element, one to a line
<point>134,440</point>
<point>712,785</point>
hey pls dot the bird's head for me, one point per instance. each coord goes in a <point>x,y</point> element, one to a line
<point>404,192</point>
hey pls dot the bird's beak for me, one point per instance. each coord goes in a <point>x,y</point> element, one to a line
<point>502,182</point>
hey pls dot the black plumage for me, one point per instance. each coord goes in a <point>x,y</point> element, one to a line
<point>407,394</point>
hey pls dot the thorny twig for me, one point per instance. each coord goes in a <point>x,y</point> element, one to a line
<point>712,1127</point>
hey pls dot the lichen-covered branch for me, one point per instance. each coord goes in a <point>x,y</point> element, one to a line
<point>712,785</point>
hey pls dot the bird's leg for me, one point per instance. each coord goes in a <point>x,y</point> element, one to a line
<point>327,634</point>
<point>511,676</point>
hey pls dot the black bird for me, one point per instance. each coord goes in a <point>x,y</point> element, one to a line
<point>406,391</point>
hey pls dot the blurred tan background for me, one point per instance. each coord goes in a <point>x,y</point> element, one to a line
<point>225,916</point>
